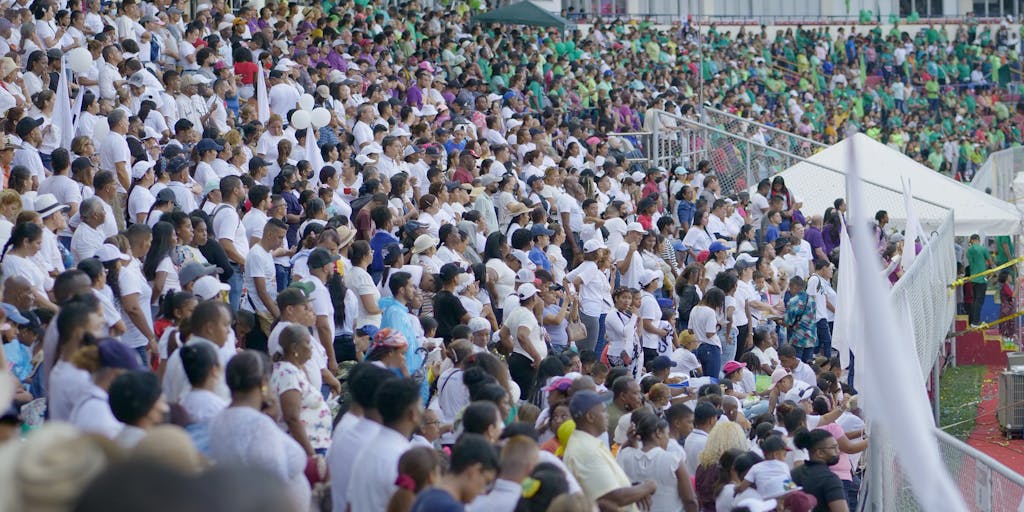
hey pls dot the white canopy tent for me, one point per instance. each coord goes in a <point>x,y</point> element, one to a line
<point>820,180</point>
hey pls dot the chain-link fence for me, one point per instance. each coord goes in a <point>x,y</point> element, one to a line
<point>772,137</point>
<point>985,484</point>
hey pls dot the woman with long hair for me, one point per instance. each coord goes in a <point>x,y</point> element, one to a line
<point>698,238</point>
<point>594,283</point>
<point>704,323</point>
<point>726,441</point>
<point>159,267</point>
<point>96,269</point>
<point>418,468</point>
<point>44,102</point>
<point>184,252</point>
<point>623,345</point>
<point>16,260</point>
<point>201,403</point>
<point>358,280</point>
<point>501,279</point>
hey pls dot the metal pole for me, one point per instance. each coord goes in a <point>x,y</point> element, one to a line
<point>750,157</point>
<point>700,60</point>
<point>936,374</point>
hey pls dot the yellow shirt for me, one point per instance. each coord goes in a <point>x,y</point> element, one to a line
<point>594,467</point>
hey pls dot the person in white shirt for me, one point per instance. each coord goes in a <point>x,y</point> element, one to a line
<point>626,256</point>
<point>261,275</point>
<point>230,233</point>
<point>92,413</point>
<point>114,153</point>
<point>825,298</point>
<point>355,429</point>
<point>522,327</point>
<point>705,416</point>
<point>400,409</point>
<point>282,95</point>
<point>207,150</point>
<point>110,79</point>
<point>28,154</point>
<point>88,237</point>
<point>652,461</point>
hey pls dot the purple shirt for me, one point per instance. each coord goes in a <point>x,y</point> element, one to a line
<point>813,237</point>
<point>414,97</point>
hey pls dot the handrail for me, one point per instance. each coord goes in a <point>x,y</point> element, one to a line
<point>765,127</point>
<point>981,457</point>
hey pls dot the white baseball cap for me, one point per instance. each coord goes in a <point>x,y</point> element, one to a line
<point>593,245</point>
<point>209,287</point>
<point>635,227</point>
<point>110,252</point>
<point>527,290</point>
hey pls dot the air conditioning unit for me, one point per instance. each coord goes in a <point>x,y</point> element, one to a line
<point>1011,403</point>
<point>1015,360</point>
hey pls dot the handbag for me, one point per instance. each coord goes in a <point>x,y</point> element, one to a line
<point>577,331</point>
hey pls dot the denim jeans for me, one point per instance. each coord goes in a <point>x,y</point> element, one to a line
<point>710,358</point>
<point>824,338</point>
<point>806,353</point>
<point>235,294</point>
<point>284,276</point>
<point>143,355</point>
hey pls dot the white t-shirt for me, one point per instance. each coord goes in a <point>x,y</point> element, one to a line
<point>171,282</point>
<point>702,321</point>
<point>770,477</point>
<point>823,293</point>
<point>141,200</point>
<point>254,221</point>
<point>631,277</point>
<point>649,310</point>
<point>360,282</point>
<point>65,189</point>
<point>659,466</point>
<point>595,292</point>
<point>113,150</point>
<point>259,263</point>
<point>85,241</point>
<point>14,265</point>
<point>523,317</point>
<point>320,299</point>
<point>111,315</point>
<point>131,281</point>
<point>228,226</point>
<point>757,209</point>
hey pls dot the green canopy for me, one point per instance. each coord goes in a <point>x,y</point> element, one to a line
<point>522,13</point>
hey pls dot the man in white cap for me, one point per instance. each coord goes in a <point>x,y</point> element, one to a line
<point>627,258</point>
<point>523,332</point>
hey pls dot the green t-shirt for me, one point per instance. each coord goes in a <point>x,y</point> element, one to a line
<point>977,261</point>
<point>1001,255</point>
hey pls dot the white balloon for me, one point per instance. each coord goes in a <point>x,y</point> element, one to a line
<point>320,117</point>
<point>306,102</point>
<point>300,120</point>
<point>79,60</point>
<point>100,129</point>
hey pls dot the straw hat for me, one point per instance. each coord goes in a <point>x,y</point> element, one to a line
<point>347,234</point>
<point>517,208</point>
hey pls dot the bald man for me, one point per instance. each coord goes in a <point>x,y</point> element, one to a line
<point>18,293</point>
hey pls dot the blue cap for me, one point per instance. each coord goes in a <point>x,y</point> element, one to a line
<point>541,229</point>
<point>14,315</point>
<point>208,145</point>
<point>368,329</point>
<point>718,246</point>
<point>114,354</point>
<point>678,245</point>
<point>508,95</point>
<point>662,362</point>
<point>582,402</point>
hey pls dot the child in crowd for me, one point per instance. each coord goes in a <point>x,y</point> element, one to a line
<point>771,476</point>
<point>418,468</point>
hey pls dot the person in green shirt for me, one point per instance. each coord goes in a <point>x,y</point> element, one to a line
<point>978,260</point>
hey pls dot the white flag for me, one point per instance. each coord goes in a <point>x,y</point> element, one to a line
<point>62,118</point>
<point>316,161</point>
<point>842,334</point>
<point>911,233</point>
<point>262,101</point>
<point>895,399</point>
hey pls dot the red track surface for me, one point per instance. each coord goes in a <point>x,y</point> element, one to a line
<point>986,435</point>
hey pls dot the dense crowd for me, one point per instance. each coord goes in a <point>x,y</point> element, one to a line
<point>348,257</point>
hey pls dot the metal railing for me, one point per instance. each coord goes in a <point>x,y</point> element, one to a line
<point>781,139</point>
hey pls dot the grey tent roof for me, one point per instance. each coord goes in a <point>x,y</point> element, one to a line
<point>522,13</point>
